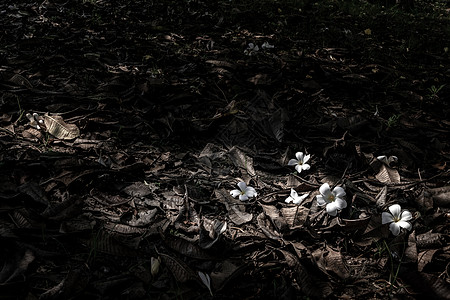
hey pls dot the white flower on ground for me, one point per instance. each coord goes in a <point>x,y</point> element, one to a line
<point>244,192</point>
<point>295,198</point>
<point>266,45</point>
<point>398,219</point>
<point>251,49</point>
<point>334,199</point>
<point>300,163</point>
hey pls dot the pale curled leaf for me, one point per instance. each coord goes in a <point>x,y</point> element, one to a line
<point>58,128</point>
<point>388,175</point>
<point>155,263</point>
<point>206,280</point>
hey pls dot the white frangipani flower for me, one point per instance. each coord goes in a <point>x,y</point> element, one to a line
<point>266,45</point>
<point>334,199</point>
<point>398,219</point>
<point>244,192</point>
<point>251,49</point>
<point>295,198</point>
<point>300,163</point>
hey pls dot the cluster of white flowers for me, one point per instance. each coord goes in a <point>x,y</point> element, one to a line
<point>253,48</point>
<point>333,199</point>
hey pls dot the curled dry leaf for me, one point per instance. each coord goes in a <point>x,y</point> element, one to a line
<point>388,175</point>
<point>58,128</point>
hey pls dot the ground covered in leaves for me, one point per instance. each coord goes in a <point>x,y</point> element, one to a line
<point>124,126</point>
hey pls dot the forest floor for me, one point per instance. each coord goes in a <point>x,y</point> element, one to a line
<point>125,125</point>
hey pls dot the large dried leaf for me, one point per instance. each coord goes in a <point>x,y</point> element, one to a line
<point>35,191</point>
<point>236,211</point>
<point>179,269</point>
<point>276,123</point>
<point>242,161</point>
<point>267,227</point>
<point>354,224</point>
<point>105,242</point>
<point>274,215</point>
<point>15,264</point>
<point>74,283</point>
<point>381,197</point>
<point>295,216</point>
<point>309,283</point>
<point>137,189</point>
<point>411,248</point>
<point>21,81</point>
<point>186,248</point>
<point>210,231</point>
<point>226,272</point>
<point>388,175</point>
<point>441,196</point>
<point>424,258</point>
<point>429,240</point>
<point>237,216</point>
<point>56,126</point>
<point>331,262</point>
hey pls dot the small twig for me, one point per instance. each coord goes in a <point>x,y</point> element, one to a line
<point>305,181</point>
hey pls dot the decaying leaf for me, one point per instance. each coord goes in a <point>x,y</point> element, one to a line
<point>225,273</point>
<point>441,196</point>
<point>381,197</point>
<point>388,175</point>
<point>295,216</point>
<point>424,258</point>
<point>242,161</point>
<point>236,211</point>
<point>56,126</point>
<point>179,269</point>
<point>309,283</point>
<point>331,261</point>
<point>185,247</point>
<point>274,215</point>
<point>237,216</point>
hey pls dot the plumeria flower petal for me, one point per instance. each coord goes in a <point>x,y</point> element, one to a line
<point>245,192</point>
<point>295,198</point>
<point>333,199</point>
<point>300,163</point>
<point>397,218</point>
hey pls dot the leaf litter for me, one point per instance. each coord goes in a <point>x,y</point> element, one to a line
<point>117,162</point>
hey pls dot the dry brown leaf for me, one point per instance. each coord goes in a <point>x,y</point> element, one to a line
<point>354,224</point>
<point>429,240</point>
<point>225,273</point>
<point>441,196</point>
<point>267,227</point>
<point>388,175</point>
<point>381,197</point>
<point>242,161</point>
<point>411,248</point>
<point>274,215</point>
<point>237,216</point>
<point>179,269</point>
<point>309,283</point>
<point>424,258</point>
<point>186,248</point>
<point>295,216</point>
<point>331,261</point>
<point>56,126</point>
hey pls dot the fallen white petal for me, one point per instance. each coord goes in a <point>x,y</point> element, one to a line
<point>386,218</point>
